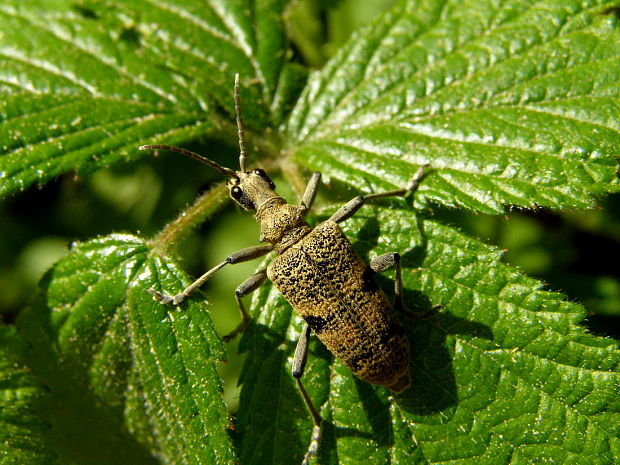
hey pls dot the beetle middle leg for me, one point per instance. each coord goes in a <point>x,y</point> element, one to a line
<point>385,262</point>
<point>388,260</point>
<point>392,260</point>
<point>299,365</point>
<point>246,287</point>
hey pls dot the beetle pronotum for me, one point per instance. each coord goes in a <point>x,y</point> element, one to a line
<point>319,274</point>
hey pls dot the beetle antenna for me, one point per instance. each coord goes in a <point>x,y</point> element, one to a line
<point>188,153</point>
<point>242,155</point>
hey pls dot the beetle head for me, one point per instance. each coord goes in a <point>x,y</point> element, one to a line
<point>247,188</point>
<point>251,187</point>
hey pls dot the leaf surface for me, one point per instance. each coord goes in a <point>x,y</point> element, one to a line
<point>22,426</point>
<point>501,374</point>
<point>83,86</point>
<point>126,359</point>
<point>512,103</point>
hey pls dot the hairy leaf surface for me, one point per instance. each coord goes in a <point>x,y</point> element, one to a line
<point>513,103</point>
<point>113,356</point>
<point>500,374</point>
<point>83,85</point>
<point>22,425</point>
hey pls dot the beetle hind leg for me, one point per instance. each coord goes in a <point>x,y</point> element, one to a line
<point>299,365</point>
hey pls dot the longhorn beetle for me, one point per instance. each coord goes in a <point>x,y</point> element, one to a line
<point>319,274</point>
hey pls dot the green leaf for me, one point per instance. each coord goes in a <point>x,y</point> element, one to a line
<point>22,427</point>
<point>512,103</point>
<point>83,86</point>
<point>124,367</point>
<point>501,372</point>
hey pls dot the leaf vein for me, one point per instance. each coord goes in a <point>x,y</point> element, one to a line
<point>49,68</point>
<point>404,83</point>
<point>99,58</point>
<point>84,130</point>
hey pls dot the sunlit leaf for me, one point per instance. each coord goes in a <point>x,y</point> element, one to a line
<point>83,86</point>
<point>513,103</point>
<point>502,370</point>
<point>121,358</point>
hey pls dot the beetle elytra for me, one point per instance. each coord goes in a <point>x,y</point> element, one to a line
<point>319,274</point>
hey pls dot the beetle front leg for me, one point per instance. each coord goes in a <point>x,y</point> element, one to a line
<point>352,206</point>
<point>246,287</point>
<point>310,193</point>
<point>243,255</point>
<point>299,365</point>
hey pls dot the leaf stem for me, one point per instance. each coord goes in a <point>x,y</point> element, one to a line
<point>203,207</point>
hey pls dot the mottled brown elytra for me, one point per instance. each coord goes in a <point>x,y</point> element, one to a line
<point>319,274</point>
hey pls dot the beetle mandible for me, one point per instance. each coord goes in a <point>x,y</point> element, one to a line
<point>319,273</point>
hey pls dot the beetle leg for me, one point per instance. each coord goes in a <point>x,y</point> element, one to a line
<point>299,365</point>
<point>243,255</point>
<point>245,288</point>
<point>352,206</point>
<point>310,193</point>
<point>385,262</point>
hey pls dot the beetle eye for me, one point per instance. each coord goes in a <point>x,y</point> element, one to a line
<point>236,192</point>
<point>241,197</point>
<point>263,175</point>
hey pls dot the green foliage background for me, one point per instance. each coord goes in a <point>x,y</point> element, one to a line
<point>514,103</point>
